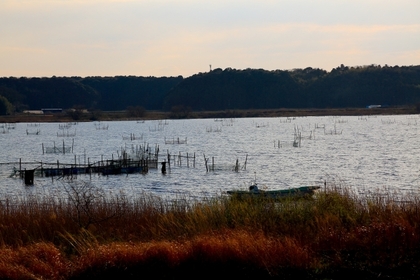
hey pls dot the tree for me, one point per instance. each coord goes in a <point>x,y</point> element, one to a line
<point>76,112</point>
<point>180,112</point>
<point>6,107</point>
<point>87,201</point>
<point>136,111</point>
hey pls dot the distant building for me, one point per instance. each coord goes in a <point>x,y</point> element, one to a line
<point>35,112</point>
<point>373,106</point>
<point>84,111</point>
<point>52,110</point>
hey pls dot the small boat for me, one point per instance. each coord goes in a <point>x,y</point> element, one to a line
<point>292,192</point>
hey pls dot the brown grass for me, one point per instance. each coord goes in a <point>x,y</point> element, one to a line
<point>337,233</point>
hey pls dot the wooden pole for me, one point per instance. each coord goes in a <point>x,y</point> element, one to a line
<point>246,159</point>
<point>205,162</point>
<point>157,156</point>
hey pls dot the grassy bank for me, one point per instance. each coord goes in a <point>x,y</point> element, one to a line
<point>91,234</point>
<point>159,115</point>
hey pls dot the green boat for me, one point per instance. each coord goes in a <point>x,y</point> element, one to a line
<point>292,192</point>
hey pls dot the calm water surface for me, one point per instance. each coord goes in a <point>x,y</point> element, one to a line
<point>367,154</point>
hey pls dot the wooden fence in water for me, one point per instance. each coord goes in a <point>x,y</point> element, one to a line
<point>212,166</point>
<point>124,164</point>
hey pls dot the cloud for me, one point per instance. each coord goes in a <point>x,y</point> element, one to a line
<point>286,46</point>
<point>64,37</point>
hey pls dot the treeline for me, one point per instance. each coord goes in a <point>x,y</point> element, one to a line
<point>219,90</point>
<point>299,88</point>
<point>93,93</point>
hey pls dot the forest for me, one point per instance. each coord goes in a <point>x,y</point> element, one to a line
<point>219,89</point>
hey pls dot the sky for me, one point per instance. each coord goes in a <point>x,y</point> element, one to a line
<point>167,38</point>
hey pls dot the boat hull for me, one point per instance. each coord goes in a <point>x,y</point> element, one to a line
<point>293,192</point>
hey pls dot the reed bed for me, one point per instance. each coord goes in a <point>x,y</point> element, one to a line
<point>92,234</point>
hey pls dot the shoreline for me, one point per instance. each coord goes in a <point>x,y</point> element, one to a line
<point>160,115</point>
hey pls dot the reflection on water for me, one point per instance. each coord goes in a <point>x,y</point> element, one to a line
<point>364,153</point>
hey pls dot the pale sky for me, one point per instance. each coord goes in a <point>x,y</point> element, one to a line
<point>44,38</point>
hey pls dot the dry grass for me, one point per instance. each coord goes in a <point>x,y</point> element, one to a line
<point>335,233</point>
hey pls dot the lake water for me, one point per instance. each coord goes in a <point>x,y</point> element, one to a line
<point>364,153</point>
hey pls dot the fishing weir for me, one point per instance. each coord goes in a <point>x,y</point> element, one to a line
<point>137,160</point>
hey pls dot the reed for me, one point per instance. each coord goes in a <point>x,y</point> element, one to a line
<point>90,233</point>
